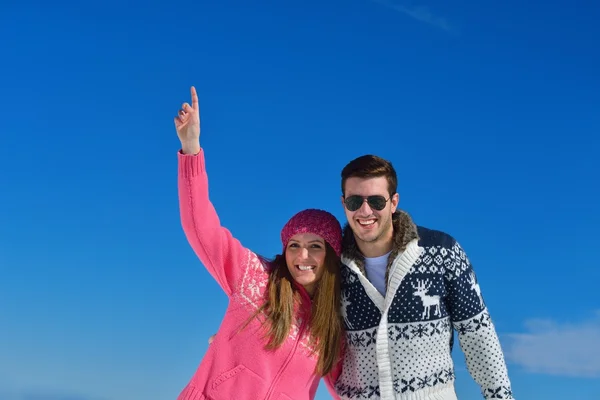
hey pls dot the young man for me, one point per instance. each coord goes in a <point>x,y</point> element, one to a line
<point>404,289</point>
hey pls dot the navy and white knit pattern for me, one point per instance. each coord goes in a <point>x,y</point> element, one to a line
<point>432,289</point>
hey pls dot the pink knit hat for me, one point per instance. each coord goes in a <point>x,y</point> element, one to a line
<point>314,221</point>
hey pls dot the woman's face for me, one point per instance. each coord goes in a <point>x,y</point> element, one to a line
<point>305,258</point>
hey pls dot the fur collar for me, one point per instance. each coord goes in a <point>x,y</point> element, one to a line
<point>404,231</point>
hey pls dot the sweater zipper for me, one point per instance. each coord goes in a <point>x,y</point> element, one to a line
<point>288,359</point>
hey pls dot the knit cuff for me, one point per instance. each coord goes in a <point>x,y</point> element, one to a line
<point>191,165</point>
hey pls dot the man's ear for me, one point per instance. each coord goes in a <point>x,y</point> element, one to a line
<point>395,199</point>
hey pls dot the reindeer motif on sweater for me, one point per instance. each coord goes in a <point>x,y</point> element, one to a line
<point>421,288</point>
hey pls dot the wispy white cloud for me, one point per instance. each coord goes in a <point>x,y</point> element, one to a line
<point>41,396</point>
<point>557,348</point>
<point>10,393</point>
<point>420,13</point>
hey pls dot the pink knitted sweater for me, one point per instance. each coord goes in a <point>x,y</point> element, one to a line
<point>236,365</point>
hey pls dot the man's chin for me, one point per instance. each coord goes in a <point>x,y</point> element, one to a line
<point>367,237</point>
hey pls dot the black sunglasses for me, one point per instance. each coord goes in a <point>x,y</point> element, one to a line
<point>355,202</point>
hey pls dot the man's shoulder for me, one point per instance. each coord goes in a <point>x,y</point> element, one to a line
<point>435,238</point>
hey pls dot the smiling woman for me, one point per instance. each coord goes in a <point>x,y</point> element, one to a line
<point>282,330</point>
<point>307,235</point>
<point>305,256</point>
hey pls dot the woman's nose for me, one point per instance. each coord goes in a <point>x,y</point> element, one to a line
<point>304,253</point>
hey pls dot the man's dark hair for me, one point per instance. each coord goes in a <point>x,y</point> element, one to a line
<point>370,166</point>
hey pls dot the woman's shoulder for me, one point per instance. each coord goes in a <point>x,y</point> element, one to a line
<point>254,279</point>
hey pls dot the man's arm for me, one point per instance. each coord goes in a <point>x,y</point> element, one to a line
<point>476,332</point>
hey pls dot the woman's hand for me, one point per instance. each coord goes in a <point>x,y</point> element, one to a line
<point>187,124</point>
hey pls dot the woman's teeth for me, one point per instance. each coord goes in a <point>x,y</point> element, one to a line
<point>305,267</point>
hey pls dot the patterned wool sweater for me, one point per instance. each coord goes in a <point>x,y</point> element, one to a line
<point>399,346</point>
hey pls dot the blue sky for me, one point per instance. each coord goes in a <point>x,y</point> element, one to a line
<point>488,110</point>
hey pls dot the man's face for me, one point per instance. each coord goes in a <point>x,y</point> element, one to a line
<point>368,224</point>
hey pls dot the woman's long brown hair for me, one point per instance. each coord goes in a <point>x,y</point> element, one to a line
<point>325,321</point>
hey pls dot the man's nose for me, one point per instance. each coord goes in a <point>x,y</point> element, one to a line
<point>365,209</point>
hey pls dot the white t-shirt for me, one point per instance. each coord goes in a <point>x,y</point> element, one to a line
<point>375,268</point>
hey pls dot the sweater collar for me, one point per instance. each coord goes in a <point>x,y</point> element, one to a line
<point>306,299</point>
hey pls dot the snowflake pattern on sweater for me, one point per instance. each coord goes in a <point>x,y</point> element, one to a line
<point>434,291</point>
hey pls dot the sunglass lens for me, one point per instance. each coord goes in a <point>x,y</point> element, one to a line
<point>353,203</point>
<point>377,202</point>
